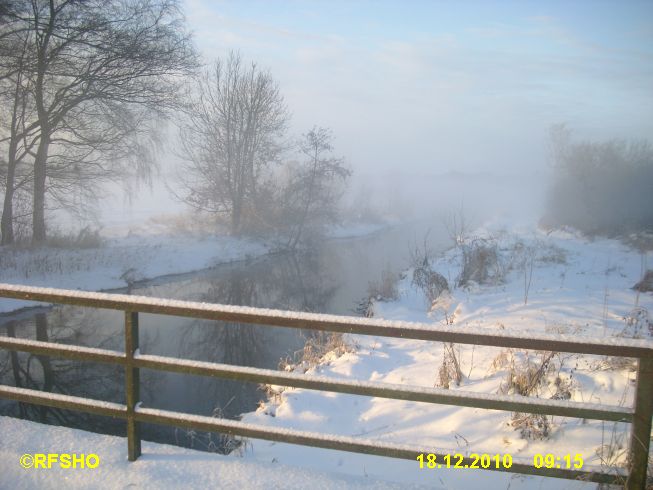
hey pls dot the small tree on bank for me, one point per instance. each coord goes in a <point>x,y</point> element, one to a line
<point>312,193</point>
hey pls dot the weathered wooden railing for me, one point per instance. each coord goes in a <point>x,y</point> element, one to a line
<point>639,415</point>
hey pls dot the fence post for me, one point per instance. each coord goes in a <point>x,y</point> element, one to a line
<point>641,430</point>
<point>132,385</point>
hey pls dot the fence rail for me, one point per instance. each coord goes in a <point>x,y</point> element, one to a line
<point>639,415</point>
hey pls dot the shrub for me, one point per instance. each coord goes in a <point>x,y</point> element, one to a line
<point>601,187</point>
<point>85,238</point>
<point>450,367</point>
<point>525,379</point>
<point>480,263</point>
<point>432,283</point>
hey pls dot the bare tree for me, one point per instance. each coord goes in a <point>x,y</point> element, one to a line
<point>312,193</point>
<point>236,119</point>
<point>97,71</point>
<point>16,111</point>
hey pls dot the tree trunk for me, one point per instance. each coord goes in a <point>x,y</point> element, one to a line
<point>235,217</point>
<point>38,214</point>
<point>307,205</point>
<point>7,222</point>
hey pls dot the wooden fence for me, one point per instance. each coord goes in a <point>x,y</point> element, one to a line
<point>639,415</point>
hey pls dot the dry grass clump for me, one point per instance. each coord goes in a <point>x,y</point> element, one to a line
<point>432,283</point>
<point>386,289</point>
<point>525,378</point>
<point>450,368</point>
<point>637,324</point>
<point>532,426</point>
<point>611,363</point>
<point>480,263</point>
<point>211,441</point>
<point>316,348</point>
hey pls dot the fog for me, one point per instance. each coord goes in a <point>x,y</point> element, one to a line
<point>468,166</point>
<point>421,91</point>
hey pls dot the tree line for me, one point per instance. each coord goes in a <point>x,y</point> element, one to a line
<point>600,187</point>
<point>85,86</point>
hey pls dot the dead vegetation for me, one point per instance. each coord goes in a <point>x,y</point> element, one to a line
<point>429,281</point>
<point>450,368</point>
<point>315,349</point>
<point>386,289</point>
<point>480,263</point>
<point>645,285</point>
<point>525,377</point>
<point>432,283</point>
<point>637,324</point>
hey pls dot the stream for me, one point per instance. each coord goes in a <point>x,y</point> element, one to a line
<point>332,278</point>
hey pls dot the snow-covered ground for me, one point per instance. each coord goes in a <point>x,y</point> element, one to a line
<point>577,287</point>
<point>160,466</point>
<point>127,256</point>
<point>119,260</point>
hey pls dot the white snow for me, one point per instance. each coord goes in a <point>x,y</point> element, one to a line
<point>160,466</point>
<point>119,261</point>
<point>579,288</point>
<point>131,258</point>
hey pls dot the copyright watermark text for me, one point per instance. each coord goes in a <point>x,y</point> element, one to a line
<point>60,460</point>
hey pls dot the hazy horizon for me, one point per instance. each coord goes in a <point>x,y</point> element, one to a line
<point>431,88</point>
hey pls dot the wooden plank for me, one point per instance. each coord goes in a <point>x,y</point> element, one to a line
<point>345,443</point>
<point>385,390</point>
<point>334,323</point>
<point>641,430</point>
<point>68,402</point>
<point>78,353</point>
<point>132,385</point>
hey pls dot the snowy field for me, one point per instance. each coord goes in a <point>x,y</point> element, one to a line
<point>574,286</point>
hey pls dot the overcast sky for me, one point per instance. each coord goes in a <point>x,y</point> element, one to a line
<point>436,86</point>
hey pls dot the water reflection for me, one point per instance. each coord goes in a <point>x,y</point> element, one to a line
<point>38,372</point>
<point>331,280</point>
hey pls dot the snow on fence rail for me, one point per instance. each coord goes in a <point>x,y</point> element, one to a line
<point>639,415</point>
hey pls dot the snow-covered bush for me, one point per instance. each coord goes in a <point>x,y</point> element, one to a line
<point>432,283</point>
<point>480,263</point>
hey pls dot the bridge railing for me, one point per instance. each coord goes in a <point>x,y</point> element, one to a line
<point>639,415</point>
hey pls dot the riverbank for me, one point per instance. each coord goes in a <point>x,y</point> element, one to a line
<point>534,282</point>
<point>131,259</point>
